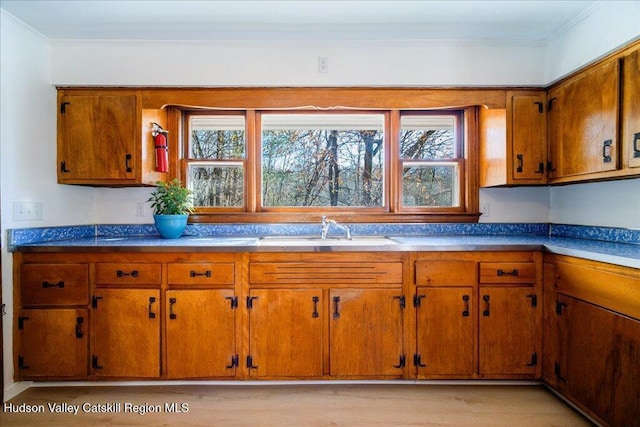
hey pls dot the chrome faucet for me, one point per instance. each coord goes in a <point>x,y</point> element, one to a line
<point>326,223</point>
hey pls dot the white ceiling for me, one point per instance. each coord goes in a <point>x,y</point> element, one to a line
<point>528,21</point>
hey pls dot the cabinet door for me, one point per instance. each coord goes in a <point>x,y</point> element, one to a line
<point>598,364</point>
<point>97,137</point>
<point>285,333</point>
<point>445,330</point>
<point>529,137</point>
<point>507,343</point>
<point>126,333</point>
<point>366,332</point>
<point>631,109</point>
<point>53,343</point>
<point>584,116</point>
<point>200,333</point>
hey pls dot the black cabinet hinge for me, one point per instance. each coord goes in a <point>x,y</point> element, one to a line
<point>556,371</point>
<point>417,300</point>
<point>94,301</point>
<point>21,364</point>
<point>402,300</point>
<point>234,302</point>
<point>402,362</point>
<point>250,302</point>
<point>63,107</point>
<point>417,362</point>
<point>534,300</point>
<point>250,364</point>
<point>534,360</point>
<point>559,306</point>
<point>21,322</point>
<point>94,362</point>
<point>235,362</point>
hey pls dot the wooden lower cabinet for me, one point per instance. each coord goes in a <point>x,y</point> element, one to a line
<point>508,338</point>
<point>126,333</point>
<point>53,343</point>
<point>286,333</point>
<point>200,326</point>
<point>366,332</point>
<point>445,327</point>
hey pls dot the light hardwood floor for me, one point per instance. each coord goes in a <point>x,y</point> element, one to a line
<point>303,405</point>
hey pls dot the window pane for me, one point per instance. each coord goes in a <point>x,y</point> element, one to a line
<point>424,137</point>
<point>323,160</point>
<point>217,185</point>
<point>430,185</point>
<point>217,137</point>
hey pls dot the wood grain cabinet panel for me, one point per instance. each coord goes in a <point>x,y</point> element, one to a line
<point>631,109</point>
<point>53,343</point>
<point>446,273</point>
<point>325,272</point>
<point>54,284</point>
<point>583,122</point>
<point>126,333</point>
<point>508,339</point>
<point>445,331</point>
<point>128,274</point>
<point>200,327</point>
<point>286,333</point>
<point>366,332</point>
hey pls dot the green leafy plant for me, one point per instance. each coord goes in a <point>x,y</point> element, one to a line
<point>171,198</point>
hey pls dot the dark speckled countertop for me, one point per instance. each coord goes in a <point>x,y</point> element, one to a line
<point>575,241</point>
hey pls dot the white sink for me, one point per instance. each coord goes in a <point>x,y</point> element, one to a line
<point>329,241</point>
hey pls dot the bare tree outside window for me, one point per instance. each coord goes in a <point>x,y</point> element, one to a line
<point>323,160</point>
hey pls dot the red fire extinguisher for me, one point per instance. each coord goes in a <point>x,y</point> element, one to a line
<point>162,147</point>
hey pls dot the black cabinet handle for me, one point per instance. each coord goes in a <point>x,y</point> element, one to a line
<point>127,159</point>
<point>520,158</point>
<point>152,315</point>
<point>465,312</point>
<point>417,361</point>
<point>487,308</point>
<point>315,307</point>
<point>550,167</point>
<point>47,285</point>
<point>94,363</point>
<point>63,167</point>
<point>540,106</point>
<point>336,308</point>
<point>172,315</point>
<point>540,168</point>
<point>120,273</point>
<point>636,145</point>
<point>513,272</point>
<point>79,333</point>
<point>193,273</point>
<point>250,364</point>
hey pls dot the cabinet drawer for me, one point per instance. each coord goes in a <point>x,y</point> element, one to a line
<point>201,273</point>
<point>507,272</point>
<point>445,273</point>
<point>325,272</point>
<point>54,284</point>
<point>129,274</point>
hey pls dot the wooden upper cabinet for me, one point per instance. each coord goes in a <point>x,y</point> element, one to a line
<point>631,111</point>
<point>513,141</point>
<point>104,138</point>
<point>583,123</point>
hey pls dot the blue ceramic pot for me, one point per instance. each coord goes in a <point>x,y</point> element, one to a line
<point>171,226</point>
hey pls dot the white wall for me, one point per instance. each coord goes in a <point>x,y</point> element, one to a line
<point>28,150</point>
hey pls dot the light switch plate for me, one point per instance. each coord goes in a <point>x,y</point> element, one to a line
<point>27,211</point>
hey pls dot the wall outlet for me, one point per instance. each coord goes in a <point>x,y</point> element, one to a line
<point>323,64</point>
<point>27,211</point>
<point>140,209</point>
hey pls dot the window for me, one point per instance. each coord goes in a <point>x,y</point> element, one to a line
<point>322,160</point>
<point>216,160</point>
<point>286,165</point>
<point>432,159</point>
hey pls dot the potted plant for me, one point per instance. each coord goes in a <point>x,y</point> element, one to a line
<point>172,204</point>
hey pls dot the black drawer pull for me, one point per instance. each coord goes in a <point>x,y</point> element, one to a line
<point>606,151</point>
<point>465,298</point>
<point>513,272</point>
<point>336,308</point>
<point>79,333</point>
<point>47,285</point>
<point>315,307</point>
<point>152,315</point>
<point>487,307</point>
<point>520,163</point>
<point>636,145</point>
<point>172,315</point>
<point>120,273</point>
<point>205,274</point>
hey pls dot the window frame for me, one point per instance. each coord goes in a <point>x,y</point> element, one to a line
<point>393,211</point>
